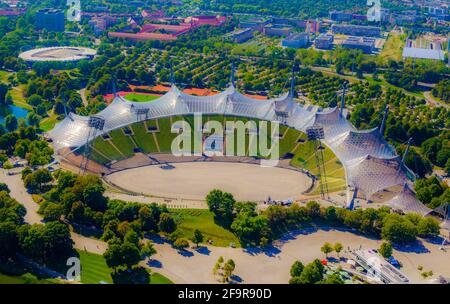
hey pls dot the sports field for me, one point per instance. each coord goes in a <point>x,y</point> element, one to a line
<point>140,97</point>
<point>155,136</point>
<point>194,180</point>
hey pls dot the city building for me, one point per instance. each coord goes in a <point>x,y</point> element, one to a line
<point>356,30</point>
<point>343,16</point>
<point>50,19</point>
<point>324,42</point>
<point>256,24</point>
<point>11,12</point>
<point>299,40</point>
<point>340,16</point>
<point>240,35</point>
<point>365,44</point>
<point>169,32</point>
<point>277,30</point>
<point>101,23</point>
<point>206,20</point>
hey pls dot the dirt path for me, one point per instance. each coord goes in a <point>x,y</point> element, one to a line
<point>82,93</point>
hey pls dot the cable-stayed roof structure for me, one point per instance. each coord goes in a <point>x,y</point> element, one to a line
<point>370,163</point>
<point>407,202</point>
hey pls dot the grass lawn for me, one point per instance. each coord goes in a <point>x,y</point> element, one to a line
<point>165,136</point>
<point>157,278</point>
<point>393,47</point>
<point>18,98</point>
<point>105,148</point>
<point>49,123</point>
<point>27,278</point>
<point>144,139</point>
<point>4,76</point>
<point>140,97</point>
<point>122,142</point>
<point>94,268</point>
<point>203,220</point>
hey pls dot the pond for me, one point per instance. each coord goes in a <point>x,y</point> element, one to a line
<point>15,110</point>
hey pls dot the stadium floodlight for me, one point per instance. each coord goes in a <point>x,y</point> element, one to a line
<point>96,122</point>
<point>315,133</point>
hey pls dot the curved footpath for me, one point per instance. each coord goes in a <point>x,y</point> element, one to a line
<point>253,265</point>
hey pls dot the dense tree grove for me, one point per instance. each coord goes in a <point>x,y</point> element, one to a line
<point>442,90</point>
<point>259,228</point>
<point>48,244</point>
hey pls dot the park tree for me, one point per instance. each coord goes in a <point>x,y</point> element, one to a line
<point>398,229</point>
<point>312,273</point>
<point>167,223</point>
<point>222,205</point>
<point>148,250</point>
<point>228,269</point>
<point>9,239</point>
<point>428,227</point>
<point>326,248</point>
<point>51,211</point>
<point>332,279</point>
<point>385,249</point>
<point>38,179</point>
<point>198,237</point>
<point>11,123</point>
<point>296,269</point>
<point>3,92</point>
<point>181,243</point>
<point>338,248</point>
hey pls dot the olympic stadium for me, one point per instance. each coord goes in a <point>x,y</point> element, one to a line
<point>58,54</point>
<point>127,140</point>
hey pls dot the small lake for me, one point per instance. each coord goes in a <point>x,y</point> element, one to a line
<point>15,110</point>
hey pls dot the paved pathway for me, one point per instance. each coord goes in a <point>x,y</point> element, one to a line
<point>432,101</point>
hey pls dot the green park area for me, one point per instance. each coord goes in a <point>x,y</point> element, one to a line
<point>189,220</point>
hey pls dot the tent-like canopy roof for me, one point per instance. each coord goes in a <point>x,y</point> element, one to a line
<point>371,164</point>
<point>407,202</point>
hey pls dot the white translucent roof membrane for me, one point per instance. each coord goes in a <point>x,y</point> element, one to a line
<point>370,162</point>
<point>355,144</point>
<point>71,132</point>
<point>407,202</point>
<point>333,123</point>
<point>446,224</point>
<point>370,174</point>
